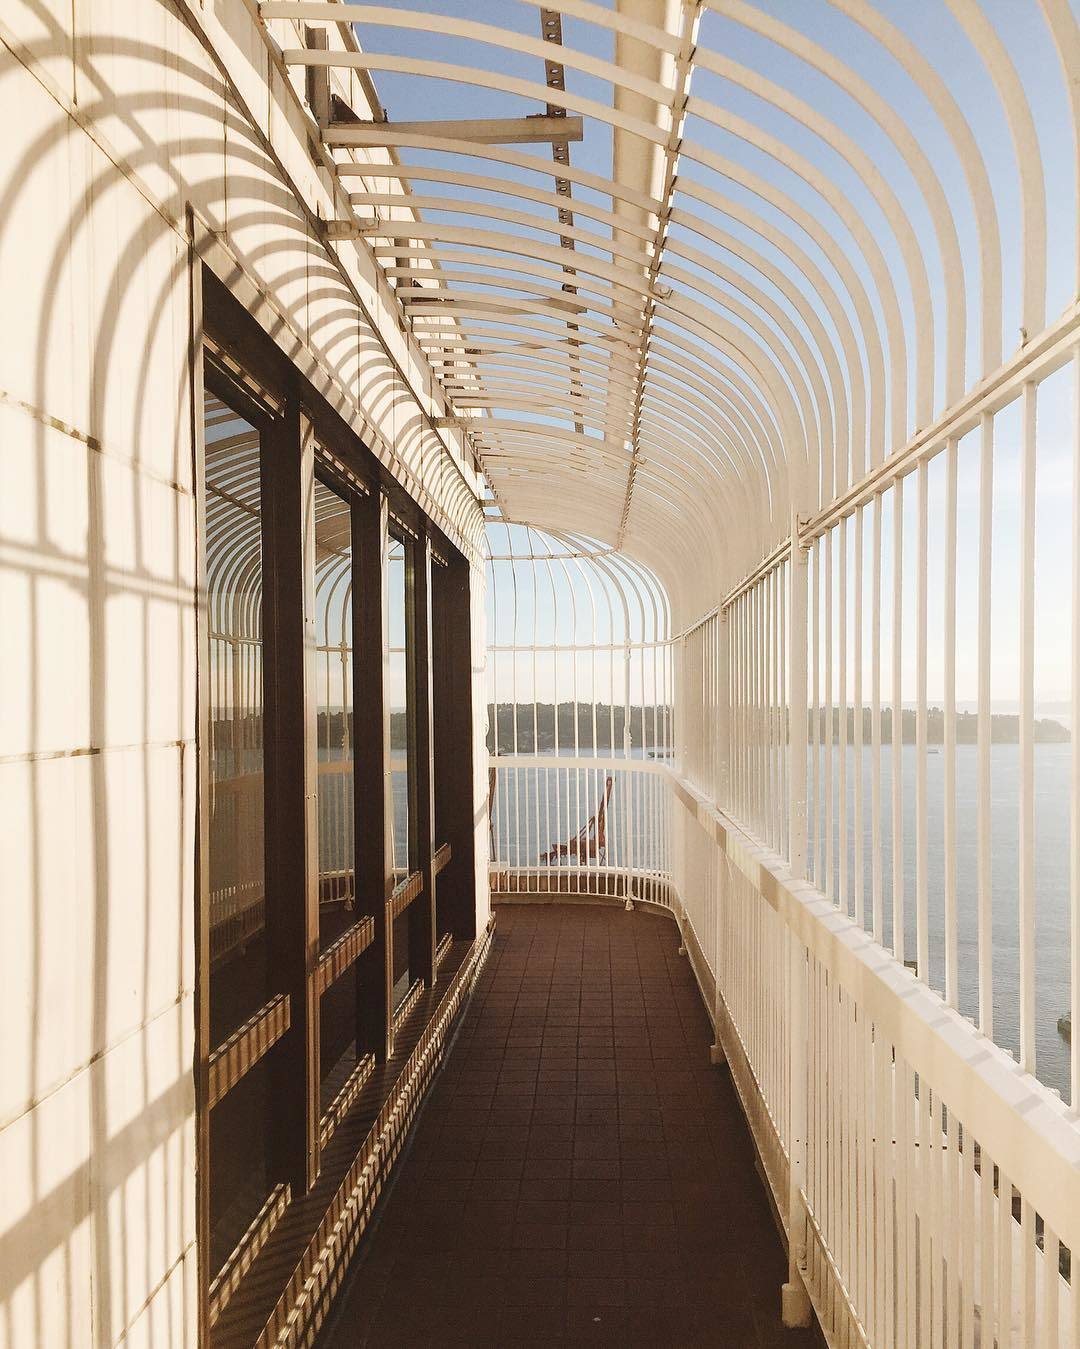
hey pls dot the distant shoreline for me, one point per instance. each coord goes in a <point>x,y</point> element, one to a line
<point>1004,727</point>
<point>535,726</point>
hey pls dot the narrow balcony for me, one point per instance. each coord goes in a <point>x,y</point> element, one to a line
<point>580,1173</point>
<point>540,697</point>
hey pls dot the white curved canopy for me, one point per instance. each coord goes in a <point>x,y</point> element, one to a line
<point>791,239</point>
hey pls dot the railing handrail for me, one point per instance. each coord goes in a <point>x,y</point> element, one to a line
<point>1026,1127</point>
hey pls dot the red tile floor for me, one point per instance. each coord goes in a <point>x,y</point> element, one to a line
<point>580,1173</point>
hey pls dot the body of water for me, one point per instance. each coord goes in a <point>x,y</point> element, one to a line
<point>1052,797</point>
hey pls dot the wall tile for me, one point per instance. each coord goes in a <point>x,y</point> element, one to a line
<point>142,1165</point>
<point>46,1247</point>
<point>46,983</point>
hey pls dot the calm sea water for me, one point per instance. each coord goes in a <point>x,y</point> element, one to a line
<point>1052,778</point>
<point>538,807</point>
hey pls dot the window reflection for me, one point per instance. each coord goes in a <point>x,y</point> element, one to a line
<point>397,603</point>
<point>337,782</point>
<point>399,561</point>
<point>234,565</point>
<point>335,728</point>
<point>235,848</point>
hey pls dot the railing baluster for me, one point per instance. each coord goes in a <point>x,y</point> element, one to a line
<point>830,724</point>
<point>842,896</point>
<point>857,711</point>
<point>952,960</point>
<point>896,753</point>
<point>984,822</point>
<point>1005,1259</point>
<point>987,1248</point>
<point>922,883</point>
<point>878,901</point>
<point>815,725</point>
<point>1026,906</point>
<point>1074,805</point>
<point>967,1236</point>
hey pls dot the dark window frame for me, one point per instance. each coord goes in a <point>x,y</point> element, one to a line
<point>303,439</point>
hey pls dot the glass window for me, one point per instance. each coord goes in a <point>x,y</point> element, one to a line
<point>399,563</point>
<point>397,588</point>
<point>438,644</point>
<point>238,976</point>
<point>337,782</point>
<point>234,567</point>
<point>334,697</point>
<point>436,648</point>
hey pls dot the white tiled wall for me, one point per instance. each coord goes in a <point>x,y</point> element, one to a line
<point>97,683</point>
<point>97,669</point>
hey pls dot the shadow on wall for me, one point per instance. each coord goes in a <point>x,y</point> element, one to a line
<point>98,678</point>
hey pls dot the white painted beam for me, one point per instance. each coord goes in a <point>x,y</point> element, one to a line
<point>532,130</point>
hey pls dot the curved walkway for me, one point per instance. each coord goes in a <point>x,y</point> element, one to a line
<point>580,1173</point>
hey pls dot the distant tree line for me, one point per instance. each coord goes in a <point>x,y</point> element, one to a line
<point>536,731</point>
<point>536,726</point>
<point>332,726</point>
<point>1004,728</point>
<point>648,727</point>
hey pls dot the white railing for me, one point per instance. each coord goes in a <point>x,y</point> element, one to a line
<point>930,1185</point>
<point>879,889</point>
<point>585,826</point>
<point>931,1190</point>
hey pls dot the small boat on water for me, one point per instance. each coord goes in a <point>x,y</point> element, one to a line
<point>1065,1027</point>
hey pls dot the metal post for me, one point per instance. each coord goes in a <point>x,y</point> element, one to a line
<point>1074,795</point>
<point>627,823</point>
<point>423,924</point>
<point>722,687</point>
<point>452,691</point>
<point>373,846</point>
<point>292,893</point>
<point>952,959</point>
<point>795,1303</point>
<point>983,819</point>
<point>723,711</point>
<point>1027,723</point>
<point>922,880</point>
